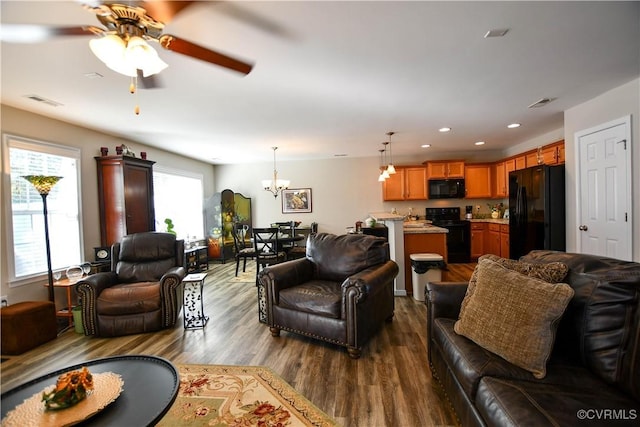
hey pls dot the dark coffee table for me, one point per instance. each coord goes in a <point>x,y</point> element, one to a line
<point>150,387</point>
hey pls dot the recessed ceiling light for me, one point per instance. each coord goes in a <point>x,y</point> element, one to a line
<point>496,33</point>
<point>479,143</point>
<point>444,129</point>
<point>513,125</point>
<point>425,145</point>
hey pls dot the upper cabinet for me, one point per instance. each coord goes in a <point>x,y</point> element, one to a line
<point>445,169</point>
<point>408,183</point>
<point>499,180</point>
<point>553,154</point>
<point>477,179</point>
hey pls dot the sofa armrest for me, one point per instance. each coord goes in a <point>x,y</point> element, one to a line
<point>88,290</point>
<point>444,298</point>
<point>285,275</point>
<point>369,281</point>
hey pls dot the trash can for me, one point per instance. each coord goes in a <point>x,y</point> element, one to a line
<point>77,319</point>
<point>426,268</point>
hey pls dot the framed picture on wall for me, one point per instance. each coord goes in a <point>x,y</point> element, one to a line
<point>296,200</point>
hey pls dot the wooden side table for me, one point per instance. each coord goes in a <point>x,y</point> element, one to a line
<point>193,301</point>
<point>66,311</point>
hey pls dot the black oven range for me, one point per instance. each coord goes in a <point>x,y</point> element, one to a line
<point>459,235</point>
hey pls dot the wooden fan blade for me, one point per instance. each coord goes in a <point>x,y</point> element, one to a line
<point>18,33</point>
<point>184,47</point>
<point>164,11</point>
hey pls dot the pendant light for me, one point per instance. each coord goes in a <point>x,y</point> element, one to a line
<point>390,168</point>
<point>383,170</point>
<point>275,185</point>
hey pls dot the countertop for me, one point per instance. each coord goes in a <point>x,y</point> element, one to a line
<point>424,229</point>
<point>491,220</point>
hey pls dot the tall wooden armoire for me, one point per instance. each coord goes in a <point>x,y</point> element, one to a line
<point>125,196</point>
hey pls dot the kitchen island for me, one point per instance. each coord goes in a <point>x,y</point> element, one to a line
<point>422,238</point>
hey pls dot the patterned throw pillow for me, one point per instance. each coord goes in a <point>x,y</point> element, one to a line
<point>514,316</point>
<point>553,272</point>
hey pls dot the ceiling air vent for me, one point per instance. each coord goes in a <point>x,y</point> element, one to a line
<point>541,103</point>
<point>39,98</point>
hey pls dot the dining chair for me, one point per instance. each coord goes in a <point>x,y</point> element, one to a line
<point>299,248</point>
<point>267,247</point>
<point>243,246</point>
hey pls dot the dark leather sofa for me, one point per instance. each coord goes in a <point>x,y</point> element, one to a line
<point>142,291</point>
<point>593,374</point>
<point>341,292</point>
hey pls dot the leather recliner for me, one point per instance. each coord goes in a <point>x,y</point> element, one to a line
<point>341,292</point>
<point>141,293</point>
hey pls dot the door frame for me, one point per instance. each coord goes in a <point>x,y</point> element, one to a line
<point>625,120</point>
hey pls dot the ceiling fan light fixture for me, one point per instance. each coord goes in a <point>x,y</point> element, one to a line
<point>108,49</point>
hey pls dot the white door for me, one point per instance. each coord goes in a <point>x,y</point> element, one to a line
<point>604,190</point>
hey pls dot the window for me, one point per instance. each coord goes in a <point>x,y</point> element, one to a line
<point>178,197</point>
<point>26,221</point>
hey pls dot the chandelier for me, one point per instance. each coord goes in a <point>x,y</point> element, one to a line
<point>275,185</point>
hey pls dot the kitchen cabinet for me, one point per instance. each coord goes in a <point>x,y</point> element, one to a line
<point>393,187</point>
<point>477,240</point>
<point>125,197</point>
<point>445,169</point>
<point>553,154</point>
<point>408,183</point>
<point>521,162</point>
<point>504,240</point>
<point>532,158</point>
<point>492,239</point>
<point>477,180</point>
<point>499,180</point>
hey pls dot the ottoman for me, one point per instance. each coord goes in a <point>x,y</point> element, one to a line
<point>26,325</point>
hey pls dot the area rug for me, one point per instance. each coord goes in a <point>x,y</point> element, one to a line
<point>222,395</point>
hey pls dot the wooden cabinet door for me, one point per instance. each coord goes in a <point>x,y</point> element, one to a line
<point>521,162</point>
<point>492,242</point>
<point>416,183</point>
<point>532,159</point>
<point>500,182</point>
<point>393,187</point>
<point>504,241</point>
<point>437,170</point>
<point>477,240</point>
<point>477,178</point>
<point>561,153</point>
<point>455,170</point>
<point>138,198</point>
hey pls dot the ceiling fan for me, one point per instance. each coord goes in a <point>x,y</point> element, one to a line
<point>122,44</point>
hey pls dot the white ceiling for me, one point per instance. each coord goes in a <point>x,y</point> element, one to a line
<point>333,77</point>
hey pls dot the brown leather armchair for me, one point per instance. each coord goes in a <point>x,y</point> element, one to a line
<point>141,293</point>
<point>341,292</point>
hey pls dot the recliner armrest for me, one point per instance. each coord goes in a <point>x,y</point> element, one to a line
<point>285,275</point>
<point>370,280</point>
<point>96,283</point>
<point>178,273</point>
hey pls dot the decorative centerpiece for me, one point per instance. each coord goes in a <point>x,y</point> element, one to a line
<point>71,388</point>
<point>496,210</point>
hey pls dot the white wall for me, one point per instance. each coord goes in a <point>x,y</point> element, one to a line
<point>619,102</point>
<point>22,123</point>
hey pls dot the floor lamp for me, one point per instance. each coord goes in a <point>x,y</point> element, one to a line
<point>44,184</point>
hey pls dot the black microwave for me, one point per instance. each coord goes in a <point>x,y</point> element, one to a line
<point>446,188</point>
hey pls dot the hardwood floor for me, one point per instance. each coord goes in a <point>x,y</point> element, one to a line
<point>390,385</point>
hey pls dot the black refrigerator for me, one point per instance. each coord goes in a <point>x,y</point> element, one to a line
<point>536,210</point>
